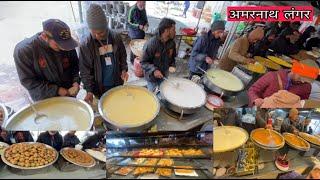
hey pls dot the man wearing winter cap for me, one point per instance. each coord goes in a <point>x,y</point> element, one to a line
<point>103,57</point>
<point>47,63</point>
<point>206,48</point>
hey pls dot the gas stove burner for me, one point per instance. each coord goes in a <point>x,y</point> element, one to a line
<point>175,114</point>
<point>224,98</point>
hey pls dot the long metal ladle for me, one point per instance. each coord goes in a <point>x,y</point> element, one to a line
<point>38,115</point>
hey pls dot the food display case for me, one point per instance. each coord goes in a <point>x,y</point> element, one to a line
<point>159,155</point>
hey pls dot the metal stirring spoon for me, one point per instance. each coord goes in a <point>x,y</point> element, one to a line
<point>175,84</point>
<point>205,72</point>
<point>38,115</point>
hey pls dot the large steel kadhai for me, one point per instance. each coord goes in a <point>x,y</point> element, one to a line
<point>129,108</point>
<point>222,82</point>
<point>182,95</point>
<point>63,114</point>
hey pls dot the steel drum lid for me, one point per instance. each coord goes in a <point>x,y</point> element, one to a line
<point>306,146</point>
<point>224,80</point>
<point>5,114</point>
<point>268,63</point>
<point>228,138</point>
<point>280,61</point>
<point>136,46</point>
<point>186,94</point>
<point>127,104</point>
<point>75,163</point>
<point>64,114</point>
<point>264,145</point>
<point>30,168</point>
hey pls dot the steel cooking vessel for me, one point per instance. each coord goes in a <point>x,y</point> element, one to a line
<point>173,105</point>
<point>219,90</point>
<point>116,126</point>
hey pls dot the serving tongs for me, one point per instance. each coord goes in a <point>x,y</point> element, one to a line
<point>38,116</point>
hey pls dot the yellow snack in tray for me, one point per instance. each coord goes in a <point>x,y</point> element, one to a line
<point>256,67</point>
<point>267,62</point>
<point>192,152</point>
<point>164,172</point>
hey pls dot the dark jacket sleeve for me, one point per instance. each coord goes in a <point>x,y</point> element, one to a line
<point>38,89</point>
<point>86,67</point>
<point>75,66</point>
<point>29,138</point>
<point>174,54</point>
<point>123,54</point>
<point>70,141</point>
<point>59,142</point>
<point>145,17</point>
<point>41,138</point>
<point>147,60</point>
<point>196,53</point>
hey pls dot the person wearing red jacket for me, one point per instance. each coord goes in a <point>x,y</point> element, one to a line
<point>291,81</point>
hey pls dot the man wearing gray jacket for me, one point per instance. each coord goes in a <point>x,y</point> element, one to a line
<point>103,57</point>
<point>47,63</point>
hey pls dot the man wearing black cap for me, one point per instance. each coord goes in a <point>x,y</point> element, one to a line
<point>205,49</point>
<point>159,54</point>
<point>47,63</point>
<point>103,57</point>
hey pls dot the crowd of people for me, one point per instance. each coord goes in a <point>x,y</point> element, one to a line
<point>54,139</point>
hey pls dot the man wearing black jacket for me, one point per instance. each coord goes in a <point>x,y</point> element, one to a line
<point>159,54</point>
<point>285,43</point>
<point>47,63</point>
<point>51,138</point>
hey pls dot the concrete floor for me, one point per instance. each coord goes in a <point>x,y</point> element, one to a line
<point>19,20</point>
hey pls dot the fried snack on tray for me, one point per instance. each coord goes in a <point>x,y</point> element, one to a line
<point>78,157</point>
<point>164,172</point>
<point>192,152</point>
<point>150,152</point>
<point>29,155</point>
<point>173,152</point>
<point>165,162</point>
<point>124,171</point>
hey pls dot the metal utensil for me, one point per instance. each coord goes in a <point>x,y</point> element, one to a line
<point>272,143</point>
<point>174,84</point>
<point>127,88</point>
<point>226,130</point>
<point>205,72</point>
<point>38,115</point>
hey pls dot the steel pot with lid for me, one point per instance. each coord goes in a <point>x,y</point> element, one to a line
<point>222,82</point>
<point>182,95</point>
